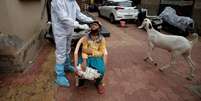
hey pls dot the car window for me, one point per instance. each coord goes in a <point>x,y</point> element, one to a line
<point>114,4</point>
<point>107,3</point>
<point>110,4</point>
<point>124,4</point>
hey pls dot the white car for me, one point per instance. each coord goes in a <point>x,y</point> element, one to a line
<point>117,10</point>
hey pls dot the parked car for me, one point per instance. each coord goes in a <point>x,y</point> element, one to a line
<point>116,10</point>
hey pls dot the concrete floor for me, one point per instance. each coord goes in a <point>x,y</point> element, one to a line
<point>127,78</point>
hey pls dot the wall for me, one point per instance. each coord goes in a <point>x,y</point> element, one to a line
<point>24,16</point>
<point>20,33</point>
<point>5,23</point>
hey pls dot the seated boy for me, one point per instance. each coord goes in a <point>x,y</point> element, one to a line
<point>93,51</point>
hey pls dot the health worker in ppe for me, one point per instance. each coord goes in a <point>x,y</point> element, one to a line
<point>64,14</point>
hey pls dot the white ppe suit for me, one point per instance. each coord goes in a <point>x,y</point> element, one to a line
<point>64,14</point>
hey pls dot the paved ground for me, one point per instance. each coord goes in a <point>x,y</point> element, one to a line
<point>127,78</point>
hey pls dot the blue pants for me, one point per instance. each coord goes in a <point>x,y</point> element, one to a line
<point>95,63</point>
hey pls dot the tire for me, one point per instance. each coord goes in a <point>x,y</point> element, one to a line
<point>112,20</point>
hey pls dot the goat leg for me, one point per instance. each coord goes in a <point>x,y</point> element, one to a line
<point>192,67</point>
<point>146,58</point>
<point>172,62</point>
<point>151,47</point>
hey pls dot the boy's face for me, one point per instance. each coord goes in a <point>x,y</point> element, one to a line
<point>94,26</point>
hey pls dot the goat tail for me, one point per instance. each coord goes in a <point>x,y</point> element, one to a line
<point>195,39</point>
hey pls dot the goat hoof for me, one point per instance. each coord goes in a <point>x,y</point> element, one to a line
<point>190,78</point>
<point>192,75</point>
<point>145,59</point>
<point>160,69</point>
<point>155,64</point>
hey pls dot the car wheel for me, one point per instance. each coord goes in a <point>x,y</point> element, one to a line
<point>112,20</point>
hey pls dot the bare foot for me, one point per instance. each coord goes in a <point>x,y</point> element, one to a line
<point>190,77</point>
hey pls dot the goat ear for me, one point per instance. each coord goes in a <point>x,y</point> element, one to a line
<point>150,26</point>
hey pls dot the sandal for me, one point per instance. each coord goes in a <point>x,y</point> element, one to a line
<point>100,88</point>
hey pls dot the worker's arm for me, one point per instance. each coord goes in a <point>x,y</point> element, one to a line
<point>81,16</point>
<point>58,7</point>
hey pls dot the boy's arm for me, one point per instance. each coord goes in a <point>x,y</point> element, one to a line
<point>84,64</point>
<point>76,53</point>
<point>105,57</point>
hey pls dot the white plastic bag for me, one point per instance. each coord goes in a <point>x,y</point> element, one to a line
<point>89,73</point>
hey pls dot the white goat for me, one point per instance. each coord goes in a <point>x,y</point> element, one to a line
<point>177,45</point>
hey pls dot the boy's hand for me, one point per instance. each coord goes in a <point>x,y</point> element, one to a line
<point>76,71</point>
<point>90,51</point>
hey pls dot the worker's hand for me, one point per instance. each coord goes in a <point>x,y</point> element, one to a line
<point>85,27</point>
<point>99,22</point>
